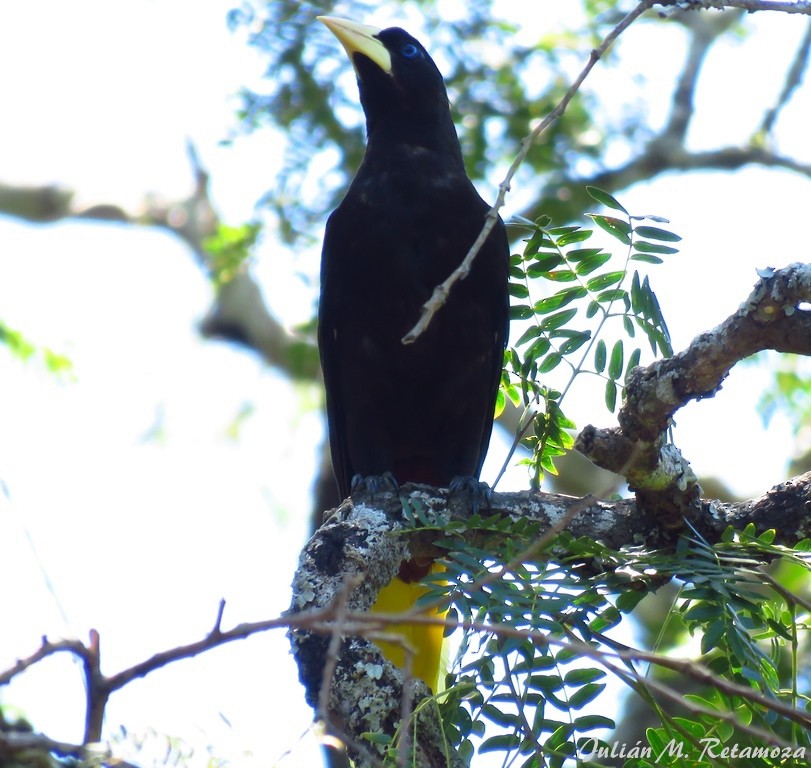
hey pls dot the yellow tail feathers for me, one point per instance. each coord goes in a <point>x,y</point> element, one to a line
<point>426,639</point>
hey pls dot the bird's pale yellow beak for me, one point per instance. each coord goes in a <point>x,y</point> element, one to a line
<point>358,38</point>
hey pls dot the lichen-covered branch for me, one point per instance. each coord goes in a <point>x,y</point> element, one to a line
<point>775,316</point>
<point>365,540</point>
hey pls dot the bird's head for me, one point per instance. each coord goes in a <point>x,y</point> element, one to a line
<point>395,73</point>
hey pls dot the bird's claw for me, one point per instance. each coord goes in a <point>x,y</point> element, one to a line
<point>374,484</point>
<point>476,493</point>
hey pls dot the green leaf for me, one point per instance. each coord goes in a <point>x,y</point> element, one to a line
<point>550,362</point>
<point>495,715</point>
<point>603,281</point>
<point>617,357</point>
<point>617,228</point>
<point>584,695</point>
<point>562,275</point>
<point>590,722</point>
<point>501,742</point>
<point>520,312</point>
<point>545,682</point>
<point>704,612</point>
<point>599,356</point>
<point>519,290</point>
<point>538,349</point>
<point>613,294</point>
<point>602,197</point>
<point>561,231</point>
<point>558,300</point>
<point>538,240</point>
<point>558,319</point>
<point>574,343</point>
<point>637,295</point>
<point>544,264</point>
<point>530,333</point>
<point>578,254</point>
<point>714,632</point>
<point>516,273</point>
<point>646,258</point>
<point>611,395</point>
<point>628,600</point>
<point>577,676</point>
<point>655,233</point>
<point>588,264</point>
<point>633,361</point>
<point>645,247</point>
<point>577,236</point>
<point>377,737</point>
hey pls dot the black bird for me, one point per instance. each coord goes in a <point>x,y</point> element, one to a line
<point>422,412</point>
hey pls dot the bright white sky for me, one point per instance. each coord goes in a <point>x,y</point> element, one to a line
<point>139,535</point>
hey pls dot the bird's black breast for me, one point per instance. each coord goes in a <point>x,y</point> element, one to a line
<point>422,411</point>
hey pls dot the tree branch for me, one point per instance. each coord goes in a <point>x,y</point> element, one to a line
<point>366,539</point>
<point>789,6</point>
<point>774,316</point>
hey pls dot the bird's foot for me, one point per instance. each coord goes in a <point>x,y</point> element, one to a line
<point>477,495</point>
<point>374,484</point>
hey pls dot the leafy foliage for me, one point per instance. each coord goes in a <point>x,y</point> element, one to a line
<point>790,391</point>
<point>26,350</point>
<point>229,249</point>
<point>531,671</point>
<point>567,327</point>
<point>538,625</point>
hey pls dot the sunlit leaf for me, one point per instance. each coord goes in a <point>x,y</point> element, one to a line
<point>600,282</point>
<point>616,360</point>
<point>574,237</point>
<point>655,233</point>
<point>558,319</point>
<point>645,247</point>
<point>600,356</point>
<point>602,197</point>
<point>588,264</point>
<point>611,395</point>
<point>544,263</point>
<point>617,228</point>
<point>646,258</point>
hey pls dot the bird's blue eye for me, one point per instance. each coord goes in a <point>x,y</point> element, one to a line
<point>410,51</point>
